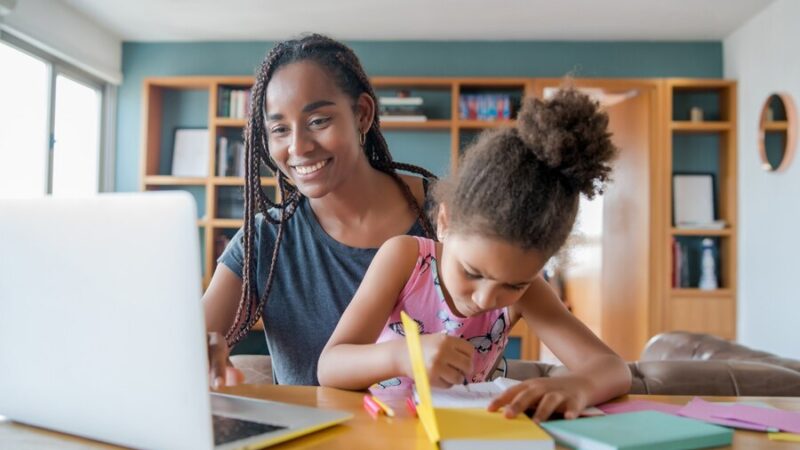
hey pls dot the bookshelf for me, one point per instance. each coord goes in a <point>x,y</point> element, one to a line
<point>708,146</point>
<point>639,300</point>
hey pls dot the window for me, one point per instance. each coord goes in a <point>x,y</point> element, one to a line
<point>51,121</point>
<point>76,143</point>
<point>24,95</point>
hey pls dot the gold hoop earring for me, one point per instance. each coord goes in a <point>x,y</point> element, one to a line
<point>362,139</point>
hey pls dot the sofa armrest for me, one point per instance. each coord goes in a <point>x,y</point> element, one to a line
<point>725,378</point>
<point>679,345</point>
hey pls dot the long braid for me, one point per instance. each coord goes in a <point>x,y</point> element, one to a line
<point>350,76</point>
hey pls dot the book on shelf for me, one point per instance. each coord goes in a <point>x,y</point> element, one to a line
<point>713,225</point>
<point>473,428</point>
<point>230,202</point>
<point>680,264</point>
<point>401,118</point>
<point>400,101</point>
<point>484,106</point>
<point>638,430</point>
<point>403,112</point>
<point>230,158</point>
<point>233,103</point>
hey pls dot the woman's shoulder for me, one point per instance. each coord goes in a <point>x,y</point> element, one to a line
<point>419,187</point>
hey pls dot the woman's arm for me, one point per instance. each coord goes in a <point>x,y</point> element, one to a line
<point>220,303</point>
<point>596,373</point>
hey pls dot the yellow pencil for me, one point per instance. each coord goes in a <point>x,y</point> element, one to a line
<point>389,411</point>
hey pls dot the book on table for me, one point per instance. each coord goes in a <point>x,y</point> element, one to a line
<point>467,428</point>
<point>638,430</point>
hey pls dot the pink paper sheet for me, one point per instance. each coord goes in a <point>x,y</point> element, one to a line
<point>772,418</point>
<point>713,413</point>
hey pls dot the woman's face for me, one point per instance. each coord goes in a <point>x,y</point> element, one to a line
<point>313,127</point>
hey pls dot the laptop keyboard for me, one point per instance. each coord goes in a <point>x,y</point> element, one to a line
<point>227,429</point>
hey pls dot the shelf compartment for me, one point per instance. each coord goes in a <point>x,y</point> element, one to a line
<point>703,314</point>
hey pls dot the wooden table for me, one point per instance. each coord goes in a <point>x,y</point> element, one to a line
<point>363,431</point>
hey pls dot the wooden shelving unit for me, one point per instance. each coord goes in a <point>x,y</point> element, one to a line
<point>644,301</point>
<point>714,141</point>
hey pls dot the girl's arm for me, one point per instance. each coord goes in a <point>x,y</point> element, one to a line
<point>352,359</point>
<point>597,374</point>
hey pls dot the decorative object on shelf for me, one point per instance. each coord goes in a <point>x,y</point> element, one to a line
<point>696,114</point>
<point>693,200</point>
<point>777,137</point>
<point>190,152</point>
<point>708,271</point>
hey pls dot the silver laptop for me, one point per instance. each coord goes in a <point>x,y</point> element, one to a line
<point>102,332</point>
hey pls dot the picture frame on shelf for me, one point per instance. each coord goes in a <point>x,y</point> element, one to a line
<point>694,200</point>
<point>190,152</point>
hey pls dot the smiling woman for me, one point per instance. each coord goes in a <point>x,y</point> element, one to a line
<point>297,263</point>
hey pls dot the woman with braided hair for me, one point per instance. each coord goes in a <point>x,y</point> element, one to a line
<point>297,263</point>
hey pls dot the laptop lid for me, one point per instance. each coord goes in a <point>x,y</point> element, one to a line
<point>101,328</point>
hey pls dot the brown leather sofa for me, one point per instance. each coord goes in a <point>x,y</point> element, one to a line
<point>675,363</point>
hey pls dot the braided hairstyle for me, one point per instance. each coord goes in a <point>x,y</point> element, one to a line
<point>343,65</point>
<point>522,184</point>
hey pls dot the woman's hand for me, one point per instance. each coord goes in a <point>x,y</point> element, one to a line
<point>566,394</point>
<point>221,370</point>
<point>448,359</point>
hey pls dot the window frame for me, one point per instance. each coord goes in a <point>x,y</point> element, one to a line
<point>108,98</point>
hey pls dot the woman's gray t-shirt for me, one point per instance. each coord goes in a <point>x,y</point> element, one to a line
<point>315,279</point>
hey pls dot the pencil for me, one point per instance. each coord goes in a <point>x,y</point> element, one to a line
<point>372,408</point>
<point>389,411</point>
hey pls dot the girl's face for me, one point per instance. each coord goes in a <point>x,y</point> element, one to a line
<point>313,127</point>
<point>482,273</point>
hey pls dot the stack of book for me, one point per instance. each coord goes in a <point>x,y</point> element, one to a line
<point>401,109</point>
<point>484,106</point>
<point>230,158</point>
<point>233,103</point>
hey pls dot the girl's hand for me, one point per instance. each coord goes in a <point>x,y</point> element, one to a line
<point>567,394</point>
<point>448,359</point>
<point>221,371</point>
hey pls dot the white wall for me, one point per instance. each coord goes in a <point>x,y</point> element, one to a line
<point>68,35</point>
<point>762,55</point>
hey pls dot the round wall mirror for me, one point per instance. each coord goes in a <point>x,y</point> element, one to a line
<point>777,132</point>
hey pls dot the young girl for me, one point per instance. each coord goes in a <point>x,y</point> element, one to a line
<point>507,211</point>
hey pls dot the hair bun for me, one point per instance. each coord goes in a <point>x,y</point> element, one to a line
<point>569,134</point>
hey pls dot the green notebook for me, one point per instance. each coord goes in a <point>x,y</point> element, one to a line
<point>638,430</point>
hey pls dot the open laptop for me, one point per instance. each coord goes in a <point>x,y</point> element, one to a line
<point>102,332</point>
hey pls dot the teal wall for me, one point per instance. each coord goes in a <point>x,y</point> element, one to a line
<point>417,58</point>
